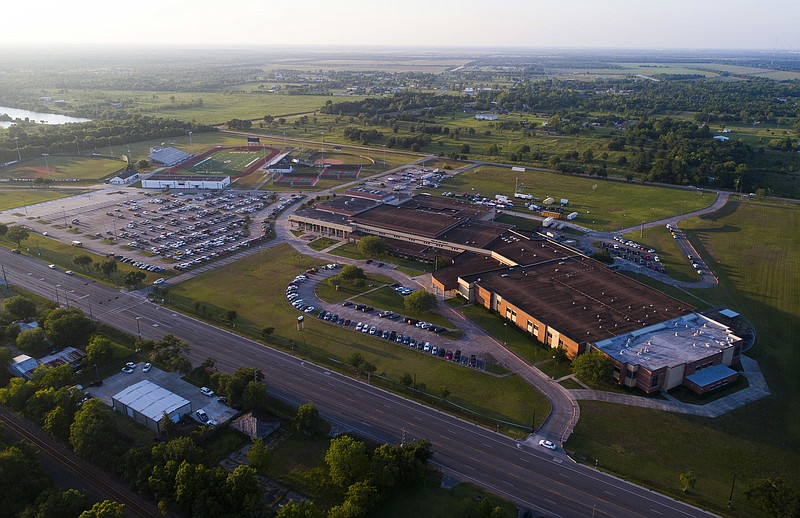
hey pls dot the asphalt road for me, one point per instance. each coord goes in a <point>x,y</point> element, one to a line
<point>530,476</point>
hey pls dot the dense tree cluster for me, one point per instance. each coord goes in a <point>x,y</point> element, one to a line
<point>89,137</point>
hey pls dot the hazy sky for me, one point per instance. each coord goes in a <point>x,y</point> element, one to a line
<point>731,24</point>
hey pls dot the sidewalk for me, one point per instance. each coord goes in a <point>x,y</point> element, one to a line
<point>758,389</point>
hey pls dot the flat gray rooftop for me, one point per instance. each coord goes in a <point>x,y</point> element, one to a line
<point>680,340</point>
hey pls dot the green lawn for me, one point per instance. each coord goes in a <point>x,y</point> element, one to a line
<point>350,250</point>
<point>386,298</point>
<point>61,254</point>
<point>261,279</point>
<point>58,167</point>
<point>601,204</point>
<point>322,243</point>
<point>328,293</point>
<point>756,253</point>
<point>11,198</point>
<point>522,345</point>
<point>431,500</point>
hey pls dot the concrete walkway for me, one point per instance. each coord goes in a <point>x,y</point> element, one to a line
<point>758,389</point>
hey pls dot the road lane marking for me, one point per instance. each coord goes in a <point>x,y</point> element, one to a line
<point>657,512</point>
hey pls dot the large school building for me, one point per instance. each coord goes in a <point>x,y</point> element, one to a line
<point>555,294</point>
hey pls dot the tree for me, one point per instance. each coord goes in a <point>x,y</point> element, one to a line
<point>351,272</point>
<point>465,149</point>
<point>57,504</point>
<point>21,478</point>
<point>231,315</point>
<point>406,380</point>
<point>420,301</point>
<point>242,491</point>
<point>3,229</point>
<point>444,391</point>
<point>553,161</point>
<point>774,496</point>
<point>593,367</point>
<point>133,279</point>
<point>107,267</point>
<point>307,421</point>
<point>99,351</point>
<point>347,460</point>
<point>93,432</point>
<point>57,422</point>
<point>371,246</point>
<point>83,261</point>
<point>298,510</point>
<point>67,327</point>
<point>267,331</point>
<point>104,509</point>
<point>18,234</point>
<point>255,396</point>
<point>258,456</point>
<point>494,150</point>
<point>688,480</point>
<point>19,307</point>
<point>32,341</point>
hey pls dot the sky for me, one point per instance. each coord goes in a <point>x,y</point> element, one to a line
<point>659,24</point>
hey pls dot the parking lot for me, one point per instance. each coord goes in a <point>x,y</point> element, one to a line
<point>158,231</point>
<point>171,381</point>
<point>401,330</point>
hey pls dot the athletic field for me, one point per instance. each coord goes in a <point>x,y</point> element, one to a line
<point>231,161</point>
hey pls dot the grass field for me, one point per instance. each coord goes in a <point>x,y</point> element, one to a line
<point>754,250</point>
<point>228,162</point>
<point>601,205</point>
<point>61,254</point>
<point>322,243</point>
<point>12,197</point>
<point>261,279</point>
<point>57,167</point>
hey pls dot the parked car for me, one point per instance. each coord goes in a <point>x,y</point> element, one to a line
<point>206,391</point>
<point>147,367</point>
<point>201,414</point>
<point>547,444</point>
<point>127,370</point>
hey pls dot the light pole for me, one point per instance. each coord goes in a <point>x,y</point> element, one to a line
<point>19,156</point>
<point>46,165</point>
<point>78,144</point>
<point>138,328</point>
<point>505,335</point>
<point>191,147</point>
<point>64,212</point>
<point>58,301</point>
<point>554,368</point>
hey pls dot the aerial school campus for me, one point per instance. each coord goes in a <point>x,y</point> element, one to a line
<point>531,269</point>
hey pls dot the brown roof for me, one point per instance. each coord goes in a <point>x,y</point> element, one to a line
<point>348,205</point>
<point>464,264</point>
<point>455,206</point>
<point>404,219</point>
<point>475,233</point>
<point>581,298</point>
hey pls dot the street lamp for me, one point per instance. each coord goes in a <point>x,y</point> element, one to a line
<point>505,337</point>
<point>138,328</point>
<point>554,368</point>
<point>19,156</point>
<point>191,147</point>
<point>46,165</point>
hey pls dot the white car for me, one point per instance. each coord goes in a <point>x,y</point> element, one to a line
<point>147,367</point>
<point>201,414</point>
<point>70,272</point>
<point>51,266</point>
<point>547,444</point>
<point>127,370</point>
<point>158,281</point>
<point>130,365</point>
<point>207,391</point>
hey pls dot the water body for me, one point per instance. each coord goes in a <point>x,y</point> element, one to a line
<point>40,118</point>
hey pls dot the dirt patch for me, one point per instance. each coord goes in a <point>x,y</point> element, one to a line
<point>31,172</point>
<point>328,161</point>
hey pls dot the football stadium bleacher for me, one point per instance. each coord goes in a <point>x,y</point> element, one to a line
<point>168,156</point>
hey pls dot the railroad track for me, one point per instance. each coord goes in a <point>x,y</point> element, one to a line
<point>81,469</point>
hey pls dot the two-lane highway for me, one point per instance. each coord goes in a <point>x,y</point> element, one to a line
<point>530,476</point>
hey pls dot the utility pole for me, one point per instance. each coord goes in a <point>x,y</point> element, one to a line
<point>730,497</point>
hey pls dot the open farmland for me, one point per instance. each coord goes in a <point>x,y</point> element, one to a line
<point>601,204</point>
<point>759,271</point>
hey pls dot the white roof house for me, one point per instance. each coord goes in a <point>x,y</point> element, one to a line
<point>23,365</point>
<point>146,403</point>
